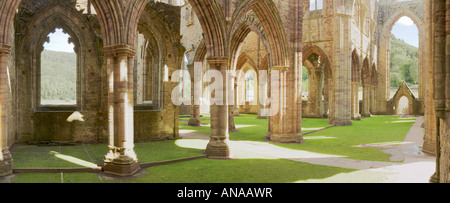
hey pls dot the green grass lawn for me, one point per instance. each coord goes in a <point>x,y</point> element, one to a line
<point>344,141</point>
<point>252,129</point>
<point>91,155</point>
<point>204,171</point>
<point>341,141</point>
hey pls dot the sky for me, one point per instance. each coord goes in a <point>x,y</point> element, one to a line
<point>406,29</point>
<point>59,42</point>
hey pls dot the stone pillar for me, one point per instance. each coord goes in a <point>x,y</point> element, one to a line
<point>121,158</point>
<point>429,145</point>
<point>230,83</point>
<point>196,89</point>
<point>355,101</point>
<point>320,78</point>
<point>262,95</point>
<point>331,103</point>
<point>236,101</point>
<point>6,161</point>
<point>366,101</point>
<point>373,100</point>
<point>285,127</point>
<point>342,52</point>
<point>218,145</point>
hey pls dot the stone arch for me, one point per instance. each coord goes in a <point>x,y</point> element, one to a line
<point>118,19</point>
<point>320,86</point>
<point>365,72</point>
<point>356,67</point>
<point>244,58</point>
<point>200,53</point>
<point>404,91</point>
<point>246,26</point>
<point>212,20</point>
<point>269,26</point>
<point>374,75</point>
<point>384,42</point>
<point>264,63</point>
<point>310,48</point>
<point>7,14</point>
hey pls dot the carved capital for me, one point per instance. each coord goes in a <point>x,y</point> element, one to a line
<point>279,68</point>
<point>119,50</point>
<point>218,61</point>
<point>5,49</point>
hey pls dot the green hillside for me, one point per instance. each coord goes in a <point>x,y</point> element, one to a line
<point>404,63</point>
<point>58,77</point>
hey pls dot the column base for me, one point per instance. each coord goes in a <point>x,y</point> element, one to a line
<point>435,178</point>
<point>218,150</point>
<point>121,162</point>
<point>6,165</point>
<point>286,138</point>
<point>121,169</point>
<point>356,117</point>
<point>194,122</point>
<point>343,123</point>
<point>366,115</point>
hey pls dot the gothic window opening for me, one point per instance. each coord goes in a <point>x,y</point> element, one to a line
<point>58,75</point>
<point>404,55</point>
<point>148,73</point>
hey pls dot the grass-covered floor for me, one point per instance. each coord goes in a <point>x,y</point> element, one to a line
<point>341,141</point>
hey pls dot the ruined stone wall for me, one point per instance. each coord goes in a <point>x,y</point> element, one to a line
<point>45,124</point>
<point>33,22</point>
<point>160,22</point>
<point>191,32</point>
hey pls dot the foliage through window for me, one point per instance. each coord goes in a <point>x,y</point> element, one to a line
<point>58,71</point>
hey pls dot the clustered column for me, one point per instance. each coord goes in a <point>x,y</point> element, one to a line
<point>342,70</point>
<point>121,158</point>
<point>285,122</point>
<point>218,145</point>
<point>6,162</point>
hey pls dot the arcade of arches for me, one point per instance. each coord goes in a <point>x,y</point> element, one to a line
<point>128,51</point>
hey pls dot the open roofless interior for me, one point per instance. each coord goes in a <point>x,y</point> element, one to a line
<point>229,91</point>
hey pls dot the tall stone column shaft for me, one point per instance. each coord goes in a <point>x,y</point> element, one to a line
<point>366,101</point>
<point>355,101</point>
<point>121,158</point>
<point>6,161</point>
<point>321,108</point>
<point>196,93</point>
<point>218,145</point>
<point>373,99</point>
<point>342,69</point>
<point>285,127</point>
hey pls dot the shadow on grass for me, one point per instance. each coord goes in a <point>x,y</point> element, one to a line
<point>92,155</point>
